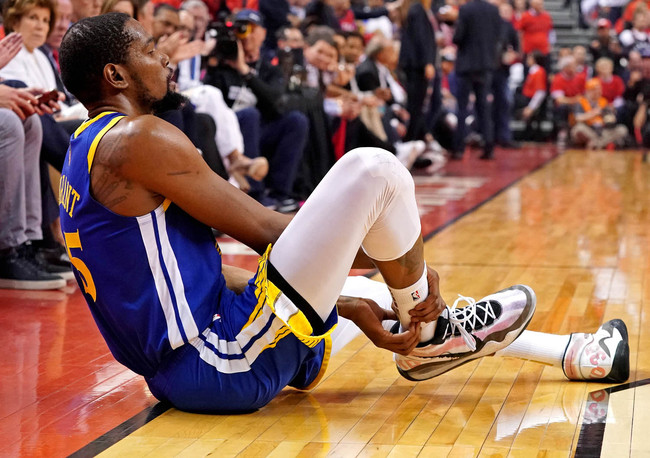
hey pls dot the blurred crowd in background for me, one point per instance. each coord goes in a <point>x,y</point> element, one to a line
<point>278,90</point>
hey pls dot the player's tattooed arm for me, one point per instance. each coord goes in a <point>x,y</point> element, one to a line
<point>108,187</point>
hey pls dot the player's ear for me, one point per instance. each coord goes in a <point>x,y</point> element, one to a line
<point>115,76</point>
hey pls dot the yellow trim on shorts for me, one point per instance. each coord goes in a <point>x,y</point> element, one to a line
<point>98,137</point>
<point>88,122</point>
<point>323,367</point>
<point>297,324</point>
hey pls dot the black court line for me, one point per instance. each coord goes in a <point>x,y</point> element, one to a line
<point>137,421</point>
<point>121,431</point>
<point>590,441</point>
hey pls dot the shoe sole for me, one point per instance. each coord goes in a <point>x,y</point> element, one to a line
<point>33,285</point>
<point>68,275</point>
<point>428,371</point>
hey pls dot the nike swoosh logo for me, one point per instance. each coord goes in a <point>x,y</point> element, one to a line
<point>609,344</point>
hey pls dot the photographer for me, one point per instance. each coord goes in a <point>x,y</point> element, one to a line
<point>253,88</point>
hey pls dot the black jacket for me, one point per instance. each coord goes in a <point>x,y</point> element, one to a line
<point>418,40</point>
<point>267,86</point>
<point>477,35</point>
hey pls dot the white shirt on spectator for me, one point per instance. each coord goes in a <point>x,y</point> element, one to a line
<point>32,68</point>
<point>189,73</point>
<point>629,37</point>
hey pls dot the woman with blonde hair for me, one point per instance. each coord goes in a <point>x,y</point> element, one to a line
<point>119,6</point>
<point>33,20</point>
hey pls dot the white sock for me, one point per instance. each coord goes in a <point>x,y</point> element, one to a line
<point>409,297</point>
<point>539,347</point>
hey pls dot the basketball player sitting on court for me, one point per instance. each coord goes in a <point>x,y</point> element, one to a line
<point>136,210</point>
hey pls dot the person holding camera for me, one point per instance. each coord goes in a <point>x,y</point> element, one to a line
<point>596,126</point>
<point>253,88</point>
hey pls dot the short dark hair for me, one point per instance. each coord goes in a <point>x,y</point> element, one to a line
<point>354,34</point>
<point>87,47</point>
<point>537,57</point>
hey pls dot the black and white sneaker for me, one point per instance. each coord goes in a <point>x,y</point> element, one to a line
<point>17,271</point>
<point>465,334</point>
<point>39,258</point>
<point>603,356</point>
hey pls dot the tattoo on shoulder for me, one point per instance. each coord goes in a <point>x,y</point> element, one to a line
<point>108,188</point>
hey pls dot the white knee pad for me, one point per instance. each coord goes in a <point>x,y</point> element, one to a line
<point>395,225</point>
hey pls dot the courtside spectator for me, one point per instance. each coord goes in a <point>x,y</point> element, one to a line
<point>612,85</point>
<point>605,44</point>
<point>636,37</point>
<point>582,67</point>
<point>21,267</point>
<point>533,93</point>
<point>566,88</point>
<point>53,43</point>
<point>144,14</point>
<point>254,89</point>
<point>85,8</point>
<point>118,6</point>
<point>201,15</point>
<point>595,118</point>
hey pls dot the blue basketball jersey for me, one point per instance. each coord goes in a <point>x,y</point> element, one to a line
<point>155,288</point>
<point>153,282</point>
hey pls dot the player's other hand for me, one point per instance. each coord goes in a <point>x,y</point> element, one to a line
<point>431,308</point>
<point>368,316</point>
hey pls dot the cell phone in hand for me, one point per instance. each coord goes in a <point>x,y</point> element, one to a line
<point>47,97</point>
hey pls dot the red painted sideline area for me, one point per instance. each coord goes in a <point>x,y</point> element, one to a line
<point>61,389</point>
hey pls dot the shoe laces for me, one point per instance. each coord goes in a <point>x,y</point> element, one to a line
<point>473,316</point>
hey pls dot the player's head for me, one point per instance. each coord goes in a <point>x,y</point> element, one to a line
<point>110,57</point>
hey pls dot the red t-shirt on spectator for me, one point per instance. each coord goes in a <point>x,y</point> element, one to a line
<point>535,28</point>
<point>347,22</point>
<point>570,87</point>
<point>535,81</point>
<point>613,88</point>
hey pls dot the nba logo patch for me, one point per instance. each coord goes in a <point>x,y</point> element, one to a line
<point>415,295</point>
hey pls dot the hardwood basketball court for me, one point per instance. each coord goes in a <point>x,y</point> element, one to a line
<point>574,227</point>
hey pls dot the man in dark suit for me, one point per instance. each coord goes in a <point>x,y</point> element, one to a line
<point>509,53</point>
<point>477,35</point>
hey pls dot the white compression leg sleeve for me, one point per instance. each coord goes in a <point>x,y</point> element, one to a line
<point>368,200</point>
<point>539,347</point>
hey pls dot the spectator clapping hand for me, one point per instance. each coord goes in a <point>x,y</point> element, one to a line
<point>9,47</point>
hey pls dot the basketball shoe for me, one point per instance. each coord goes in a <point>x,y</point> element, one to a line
<point>465,334</point>
<point>603,356</point>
